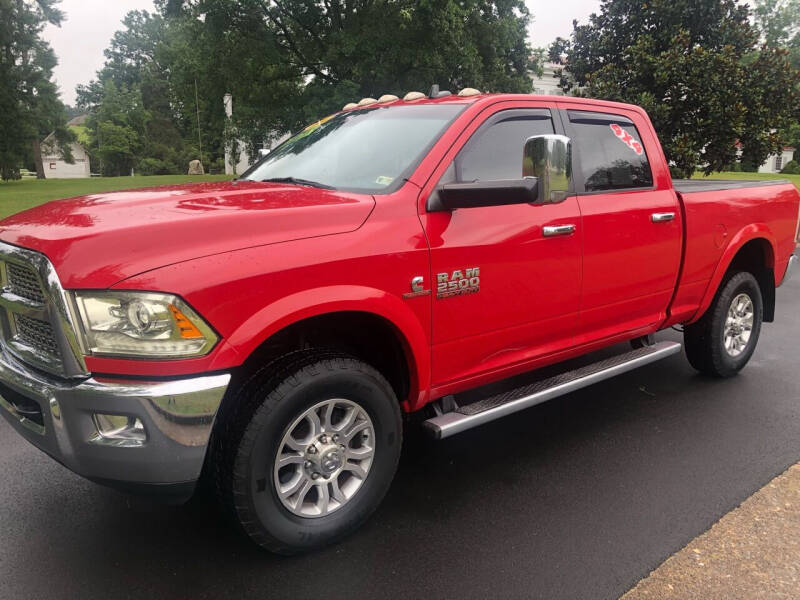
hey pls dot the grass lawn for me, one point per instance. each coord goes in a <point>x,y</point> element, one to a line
<point>795,179</point>
<point>16,196</point>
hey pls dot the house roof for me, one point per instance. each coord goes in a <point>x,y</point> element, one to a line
<point>78,127</point>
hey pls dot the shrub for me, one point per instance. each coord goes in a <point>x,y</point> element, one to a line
<point>749,166</point>
<point>155,166</point>
<point>791,168</point>
<point>217,167</point>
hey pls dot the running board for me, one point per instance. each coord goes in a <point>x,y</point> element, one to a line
<point>506,403</point>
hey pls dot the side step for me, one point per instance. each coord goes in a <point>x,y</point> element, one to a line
<point>500,405</point>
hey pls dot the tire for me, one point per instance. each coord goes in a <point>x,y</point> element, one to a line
<point>280,401</point>
<point>706,339</point>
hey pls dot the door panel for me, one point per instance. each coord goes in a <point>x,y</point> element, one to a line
<point>630,263</point>
<point>528,297</point>
<point>632,230</point>
<point>527,305</point>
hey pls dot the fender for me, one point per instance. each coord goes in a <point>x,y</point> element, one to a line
<point>750,232</point>
<point>325,300</point>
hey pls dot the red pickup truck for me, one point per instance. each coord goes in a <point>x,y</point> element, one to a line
<point>268,333</point>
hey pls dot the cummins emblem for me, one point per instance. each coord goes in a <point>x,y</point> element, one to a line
<point>417,288</point>
<point>459,283</point>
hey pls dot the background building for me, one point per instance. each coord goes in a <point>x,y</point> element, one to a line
<point>55,167</point>
<point>547,84</point>
<point>776,162</point>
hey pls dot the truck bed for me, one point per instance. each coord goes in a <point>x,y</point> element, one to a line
<point>690,186</point>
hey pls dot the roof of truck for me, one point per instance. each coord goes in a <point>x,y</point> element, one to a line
<point>491,98</point>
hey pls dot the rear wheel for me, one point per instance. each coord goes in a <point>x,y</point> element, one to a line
<point>722,342</point>
<point>311,453</point>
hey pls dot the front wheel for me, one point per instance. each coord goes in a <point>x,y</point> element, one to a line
<point>311,453</point>
<point>722,342</point>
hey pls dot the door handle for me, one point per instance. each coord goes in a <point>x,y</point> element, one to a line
<point>662,217</point>
<point>554,230</point>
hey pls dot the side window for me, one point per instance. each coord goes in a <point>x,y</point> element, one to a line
<point>494,152</point>
<point>611,153</point>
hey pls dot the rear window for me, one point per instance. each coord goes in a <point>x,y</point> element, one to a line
<point>610,152</point>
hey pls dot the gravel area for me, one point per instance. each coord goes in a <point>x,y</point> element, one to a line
<point>752,552</point>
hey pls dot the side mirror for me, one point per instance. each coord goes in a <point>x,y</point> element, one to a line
<point>483,193</point>
<point>548,158</point>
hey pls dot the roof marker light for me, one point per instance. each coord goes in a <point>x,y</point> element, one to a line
<point>387,98</point>
<point>367,101</point>
<point>466,92</point>
<point>413,96</point>
<point>349,105</point>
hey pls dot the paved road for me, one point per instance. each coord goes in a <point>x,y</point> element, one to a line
<point>578,498</point>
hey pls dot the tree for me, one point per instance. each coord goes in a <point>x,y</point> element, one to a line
<point>117,129</point>
<point>694,66</point>
<point>557,50</point>
<point>291,62</point>
<point>779,23</point>
<point>29,99</point>
<point>397,45</point>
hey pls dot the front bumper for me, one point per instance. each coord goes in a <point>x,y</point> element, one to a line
<point>58,417</point>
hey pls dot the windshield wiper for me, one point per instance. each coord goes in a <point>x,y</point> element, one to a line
<point>298,181</point>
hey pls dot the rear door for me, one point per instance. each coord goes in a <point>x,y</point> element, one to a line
<point>632,232</point>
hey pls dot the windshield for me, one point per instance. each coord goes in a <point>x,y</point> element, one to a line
<point>365,150</point>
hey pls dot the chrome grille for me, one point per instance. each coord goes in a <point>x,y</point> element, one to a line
<point>37,326</point>
<point>24,282</point>
<point>36,334</point>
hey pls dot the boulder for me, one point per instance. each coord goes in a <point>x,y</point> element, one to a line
<point>196,168</point>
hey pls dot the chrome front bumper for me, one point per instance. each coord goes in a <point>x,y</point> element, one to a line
<point>790,268</point>
<point>174,421</point>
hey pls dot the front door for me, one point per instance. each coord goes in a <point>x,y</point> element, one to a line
<point>506,283</point>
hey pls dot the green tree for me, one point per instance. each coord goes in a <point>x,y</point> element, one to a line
<point>291,62</point>
<point>779,23</point>
<point>29,99</point>
<point>117,129</point>
<point>693,65</point>
<point>397,45</point>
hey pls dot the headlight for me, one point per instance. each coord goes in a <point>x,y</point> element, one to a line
<point>142,324</point>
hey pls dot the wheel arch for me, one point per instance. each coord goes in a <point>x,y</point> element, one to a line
<point>374,325</point>
<point>753,250</point>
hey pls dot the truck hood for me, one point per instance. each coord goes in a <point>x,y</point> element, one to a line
<point>96,241</point>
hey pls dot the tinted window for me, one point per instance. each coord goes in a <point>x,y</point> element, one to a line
<point>612,156</point>
<point>495,151</point>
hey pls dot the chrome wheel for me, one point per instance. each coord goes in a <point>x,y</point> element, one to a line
<point>738,325</point>
<point>324,458</point>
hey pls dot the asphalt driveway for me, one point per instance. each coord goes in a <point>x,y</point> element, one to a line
<point>577,498</point>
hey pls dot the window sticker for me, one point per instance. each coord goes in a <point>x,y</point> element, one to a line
<point>627,138</point>
<point>384,180</point>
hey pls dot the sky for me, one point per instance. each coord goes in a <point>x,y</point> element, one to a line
<point>90,24</point>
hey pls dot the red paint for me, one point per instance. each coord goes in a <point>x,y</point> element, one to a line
<point>254,258</point>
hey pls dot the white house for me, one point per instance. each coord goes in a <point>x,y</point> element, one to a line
<point>547,84</point>
<point>776,162</point>
<point>55,167</point>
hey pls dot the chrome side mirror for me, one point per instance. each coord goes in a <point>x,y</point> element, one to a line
<point>549,159</point>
